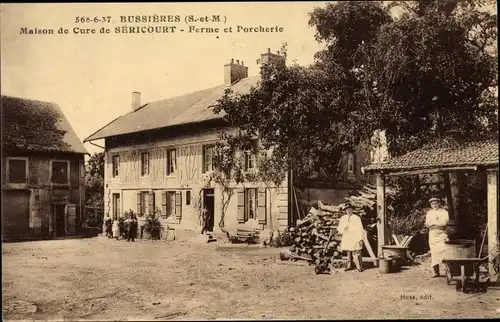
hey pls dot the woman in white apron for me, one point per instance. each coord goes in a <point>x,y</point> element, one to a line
<point>436,220</point>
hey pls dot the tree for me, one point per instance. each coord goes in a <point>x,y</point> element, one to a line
<point>424,72</point>
<point>412,74</point>
<point>229,168</point>
<point>94,190</point>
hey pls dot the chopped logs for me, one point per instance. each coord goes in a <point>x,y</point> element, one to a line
<point>316,239</point>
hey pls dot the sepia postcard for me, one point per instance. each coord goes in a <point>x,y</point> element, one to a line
<point>250,160</point>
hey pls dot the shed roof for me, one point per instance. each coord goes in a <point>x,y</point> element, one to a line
<point>188,108</point>
<point>443,154</point>
<point>12,106</point>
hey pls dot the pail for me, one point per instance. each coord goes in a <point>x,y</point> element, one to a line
<point>397,262</point>
<point>385,265</point>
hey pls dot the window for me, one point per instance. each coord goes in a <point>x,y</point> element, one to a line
<point>351,164</point>
<point>145,202</point>
<point>60,172</point>
<point>144,163</point>
<point>116,165</point>
<point>208,155</point>
<point>170,203</point>
<point>251,203</point>
<point>188,197</point>
<point>17,170</point>
<point>171,161</point>
<point>251,156</point>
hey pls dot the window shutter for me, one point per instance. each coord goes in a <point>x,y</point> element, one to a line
<point>151,202</point>
<point>178,204</point>
<point>261,204</point>
<point>164,203</point>
<point>203,165</point>
<point>241,206</point>
<point>139,210</point>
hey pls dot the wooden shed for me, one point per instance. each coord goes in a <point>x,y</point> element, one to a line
<point>444,156</point>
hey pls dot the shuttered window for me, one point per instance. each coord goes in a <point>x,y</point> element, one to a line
<point>172,204</point>
<point>251,203</point>
<point>145,202</point>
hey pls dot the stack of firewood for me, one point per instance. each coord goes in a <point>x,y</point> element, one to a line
<point>315,238</point>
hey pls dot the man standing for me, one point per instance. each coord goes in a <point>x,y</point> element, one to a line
<point>128,226</point>
<point>108,226</point>
<point>205,220</point>
<point>436,220</point>
<point>352,231</point>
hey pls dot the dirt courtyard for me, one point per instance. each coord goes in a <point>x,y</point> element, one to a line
<point>101,279</point>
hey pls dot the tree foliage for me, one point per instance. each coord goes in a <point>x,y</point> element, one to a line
<point>426,71</point>
<point>94,189</point>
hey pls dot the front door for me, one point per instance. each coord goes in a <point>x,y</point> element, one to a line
<point>116,206</point>
<point>208,202</point>
<point>15,212</point>
<point>60,219</point>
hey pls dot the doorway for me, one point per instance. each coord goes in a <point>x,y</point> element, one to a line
<point>60,210</point>
<point>209,203</point>
<point>15,212</point>
<point>116,206</point>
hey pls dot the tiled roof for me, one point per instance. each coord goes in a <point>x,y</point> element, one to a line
<point>12,105</point>
<point>443,154</point>
<point>189,108</point>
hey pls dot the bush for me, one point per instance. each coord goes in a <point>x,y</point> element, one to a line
<point>410,223</point>
<point>282,239</point>
<point>153,226</point>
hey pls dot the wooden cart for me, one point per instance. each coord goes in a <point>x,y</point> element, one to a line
<point>466,272</point>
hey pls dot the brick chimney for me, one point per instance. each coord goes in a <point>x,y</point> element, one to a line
<point>234,71</point>
<point>136,101</point>
<point>269,56</point>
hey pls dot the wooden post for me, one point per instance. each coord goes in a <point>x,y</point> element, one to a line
<point>381,217</point>
<point>493,243</point>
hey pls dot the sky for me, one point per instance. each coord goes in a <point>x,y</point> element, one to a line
<point>92,76</point>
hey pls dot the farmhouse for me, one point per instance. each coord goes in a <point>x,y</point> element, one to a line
<point>43,176</point>
<point>159,155</point>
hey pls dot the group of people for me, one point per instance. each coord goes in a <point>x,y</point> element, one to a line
<point>127,228</point>
<point>352,231</point>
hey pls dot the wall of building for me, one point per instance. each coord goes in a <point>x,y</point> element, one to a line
<point>335,192</point>
<point>188,176</point>
<point>42,196</point>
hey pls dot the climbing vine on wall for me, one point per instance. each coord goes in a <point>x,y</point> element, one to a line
<point>229,168</point>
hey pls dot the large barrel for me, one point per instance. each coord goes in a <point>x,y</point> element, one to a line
<point>460,248</point>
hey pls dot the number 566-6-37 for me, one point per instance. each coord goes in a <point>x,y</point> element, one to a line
<point>85,19</point>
